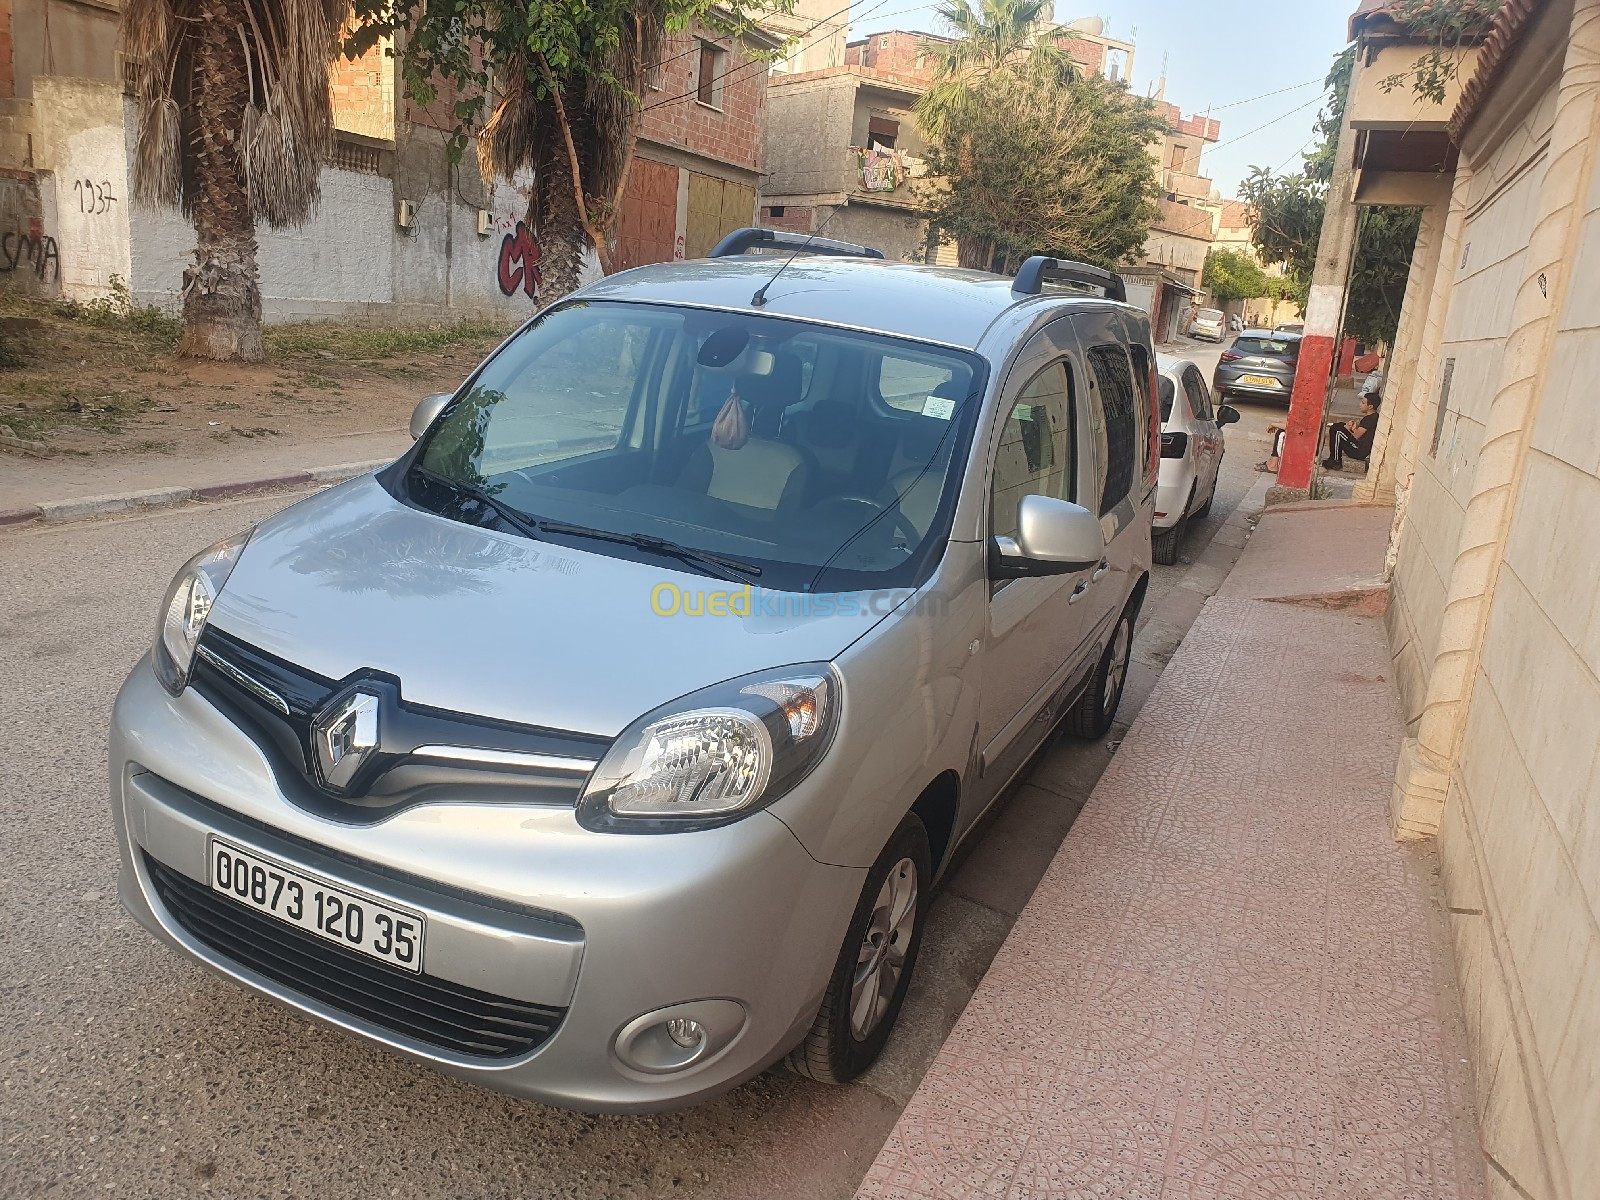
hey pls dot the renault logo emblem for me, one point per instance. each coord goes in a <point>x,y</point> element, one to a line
<point>344,737</point>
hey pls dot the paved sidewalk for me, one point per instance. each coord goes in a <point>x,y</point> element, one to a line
<point>1231,982</point>
<point>46,481</point>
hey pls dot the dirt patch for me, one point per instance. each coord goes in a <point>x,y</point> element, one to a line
<point>102,378</point>
<point>1363,602</point>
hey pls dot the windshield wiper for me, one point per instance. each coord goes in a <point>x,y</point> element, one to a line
<point>719,565</point>
<point>514,517</point>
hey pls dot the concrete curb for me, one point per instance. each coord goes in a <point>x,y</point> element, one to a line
<point>84,507</point>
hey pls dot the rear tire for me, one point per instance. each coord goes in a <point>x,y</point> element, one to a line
<point>1164,543</point>
<point>874,968</point>
<point>1092,715</point>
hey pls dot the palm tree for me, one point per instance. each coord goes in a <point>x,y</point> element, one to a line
<point>1016,37</point>
<point>576,129</point>
<point>235,122</point>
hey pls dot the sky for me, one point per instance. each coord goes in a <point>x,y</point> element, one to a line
<point>1252,63</point>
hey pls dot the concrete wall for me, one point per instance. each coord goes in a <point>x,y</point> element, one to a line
<point>351,258</point>
<point>83,175</point>
<point>901,236</point>
<point>1501,207</point>
<point>1507,487</point>
<point>809,124</point>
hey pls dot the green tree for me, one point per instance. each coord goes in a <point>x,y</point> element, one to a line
<point>1231,275</point>
<point>1033,156</point>
<point>234,123</point>
<point>562,87</point>
<point>1288,212</point>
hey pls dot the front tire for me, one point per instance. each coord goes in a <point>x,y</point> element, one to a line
<point>1092,715</point>
<point>874,968</point>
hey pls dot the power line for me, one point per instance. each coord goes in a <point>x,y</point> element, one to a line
<point>1283,116</point>
<point>1265,95</point>
<point>762,63</point>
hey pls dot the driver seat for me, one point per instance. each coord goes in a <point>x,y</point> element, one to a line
<point>764,476</point>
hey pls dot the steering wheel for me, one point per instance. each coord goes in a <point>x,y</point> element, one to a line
<point>902,524</point>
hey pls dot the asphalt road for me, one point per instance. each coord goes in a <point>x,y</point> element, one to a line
<point>125,1071</point>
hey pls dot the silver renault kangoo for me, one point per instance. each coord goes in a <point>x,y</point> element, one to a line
<point>605,748</point>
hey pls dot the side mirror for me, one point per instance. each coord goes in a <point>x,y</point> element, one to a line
<point>426,410</point>
<point>1054,537</point>
<point>1227,414</point>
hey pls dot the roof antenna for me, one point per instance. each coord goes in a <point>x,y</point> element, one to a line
<point>760,298</point>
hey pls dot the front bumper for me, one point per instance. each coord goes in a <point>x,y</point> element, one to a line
<point>520,903</point>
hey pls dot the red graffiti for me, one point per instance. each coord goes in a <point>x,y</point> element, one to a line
<point>519,262</point>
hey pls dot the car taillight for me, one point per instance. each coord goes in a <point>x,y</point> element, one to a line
<point>1174,445</point>
<point>1229,356</point>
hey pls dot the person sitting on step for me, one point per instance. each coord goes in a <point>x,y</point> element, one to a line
<point>1353,439</point>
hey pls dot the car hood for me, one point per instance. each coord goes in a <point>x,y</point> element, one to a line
<point>495,625</point>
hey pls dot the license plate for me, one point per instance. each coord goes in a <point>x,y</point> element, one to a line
<point>1259,380</point>
<point>333,913</point>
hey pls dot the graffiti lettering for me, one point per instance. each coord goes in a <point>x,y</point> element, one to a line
<point>519,262</point>
<point>32,251</point>
<point>94,197</point>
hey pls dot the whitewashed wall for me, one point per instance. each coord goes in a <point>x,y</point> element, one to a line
<point>83,181</point>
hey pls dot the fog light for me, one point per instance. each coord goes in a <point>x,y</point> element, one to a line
<point>680,1036</point>
<point>686,1031</point>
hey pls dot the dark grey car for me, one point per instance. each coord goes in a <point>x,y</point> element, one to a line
<point>1259,363</point>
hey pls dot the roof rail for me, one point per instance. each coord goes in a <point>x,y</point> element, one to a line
<point>1039,270</point>
<point>740,240</point>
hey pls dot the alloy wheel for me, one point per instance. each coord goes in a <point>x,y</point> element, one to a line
<point>882,957</point>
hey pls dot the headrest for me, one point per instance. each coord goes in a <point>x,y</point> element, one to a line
<point>832,423</point>
<point>777,389</point>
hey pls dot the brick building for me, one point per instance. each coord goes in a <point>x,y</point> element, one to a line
<point>698,161</point>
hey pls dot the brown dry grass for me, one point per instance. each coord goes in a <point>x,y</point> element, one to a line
<point>103,379</point>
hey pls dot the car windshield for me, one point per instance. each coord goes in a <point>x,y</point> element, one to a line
<point>1169,392</point>
<point>810,457</point>
<point>1210,314</point>
<point>1271,347</point>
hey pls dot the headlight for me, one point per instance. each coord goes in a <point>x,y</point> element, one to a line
<point>715,755</point>
<point>187,605</point>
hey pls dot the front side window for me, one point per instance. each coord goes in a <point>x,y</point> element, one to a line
<point>766,441</point>
<point>1036,455</point>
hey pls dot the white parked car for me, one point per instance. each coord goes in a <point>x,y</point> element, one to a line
<point>1191,453</point>
<point>1208,323</point>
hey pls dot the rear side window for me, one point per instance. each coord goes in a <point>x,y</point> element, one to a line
<point>1271,347</point>
<point>1118,409</point>
<point>909,383</point>
<point>1168,394</point>
<point>1199,398</point>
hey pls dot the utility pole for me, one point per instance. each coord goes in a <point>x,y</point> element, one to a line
<point>1324,312</point>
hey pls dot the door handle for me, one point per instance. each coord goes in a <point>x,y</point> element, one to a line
<point>1078,593</point>
<point>1100,570</point>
